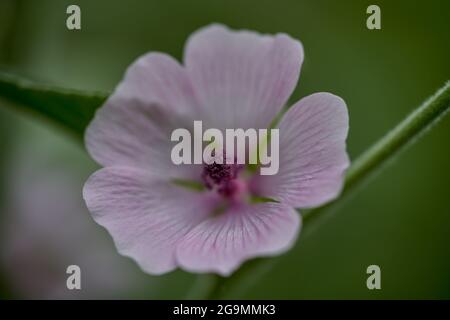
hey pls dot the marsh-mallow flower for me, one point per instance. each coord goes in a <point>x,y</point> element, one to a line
<point>229,79</point>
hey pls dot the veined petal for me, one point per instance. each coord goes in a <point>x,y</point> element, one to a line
<point>313,155</point>
<point>134,126</point>
<point>222,243</point>
<point>158,78</point>
<point>135,134</point>
<point>145,216</point>
<point>242,78</point>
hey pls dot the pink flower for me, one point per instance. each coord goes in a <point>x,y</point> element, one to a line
<point>230,79</point>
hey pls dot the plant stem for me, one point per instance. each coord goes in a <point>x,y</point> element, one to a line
<point>365,166</point>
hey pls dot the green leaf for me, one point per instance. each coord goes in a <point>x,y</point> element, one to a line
<point>71,109</point>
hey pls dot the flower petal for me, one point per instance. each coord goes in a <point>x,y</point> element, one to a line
<point>242,78</point>
<point>313,155</point>
<point>220,244</point>
<point>142,214</point>
<point>134,126</point>
<point>158,78</point>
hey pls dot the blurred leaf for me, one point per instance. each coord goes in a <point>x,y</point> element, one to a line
<point>71,109</point>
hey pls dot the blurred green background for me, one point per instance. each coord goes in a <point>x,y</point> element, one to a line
<point>400,221</point>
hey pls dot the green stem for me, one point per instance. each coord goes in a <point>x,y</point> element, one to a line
<point>370,162</point>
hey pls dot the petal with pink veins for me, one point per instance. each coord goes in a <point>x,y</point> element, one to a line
<point>222,243</point>
<point>134,126</point>
<point>158,78</point>
<point>134,134</point>
<point>145,216</point>
<point>242,78</point>
<point>313,156</point>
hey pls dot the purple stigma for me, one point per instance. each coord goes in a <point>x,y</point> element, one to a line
<point>221,177</point>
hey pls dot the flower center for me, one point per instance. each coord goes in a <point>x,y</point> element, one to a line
<point>224,179</point>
